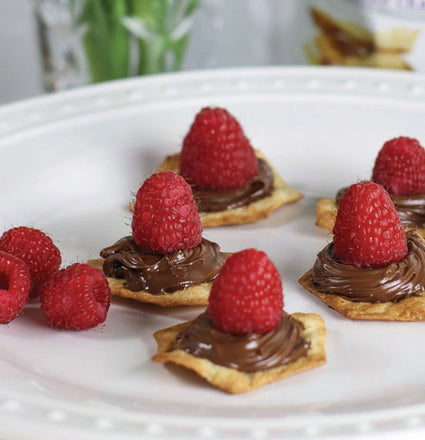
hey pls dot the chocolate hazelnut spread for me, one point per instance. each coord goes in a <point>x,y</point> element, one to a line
<point>411,208</point>
<point>257,188</point>
<point>251,352</point>
<point>390,283</point>
<point>160,274</point>
<point>347,43</point>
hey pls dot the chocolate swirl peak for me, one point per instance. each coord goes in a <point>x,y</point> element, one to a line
<point>390,283</point>
<point>250,352</point>
<point>159,274</point>
<point>257,188</point>
<point>411,208</point>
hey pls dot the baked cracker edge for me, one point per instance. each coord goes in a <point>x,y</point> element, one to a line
<point>192,296</point>
<point>234,381</point>
<point>326,210</point>
<point>408,309</point>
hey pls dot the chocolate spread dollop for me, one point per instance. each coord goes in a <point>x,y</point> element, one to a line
<point>250,352</point>
<point>257,188</point>
<point>160,274</point>
<point>411,208</point>
<point>345,42</point>
<point>390,283</point>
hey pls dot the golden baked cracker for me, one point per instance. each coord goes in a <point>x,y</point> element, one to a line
<point>381,59</point>
<point>192,296</point>
<point>326,210</point>
<point>396,39</point>
<point>408,309</point>
<point>325,21</point>
<point>282,194</point>
<point>235,381</point>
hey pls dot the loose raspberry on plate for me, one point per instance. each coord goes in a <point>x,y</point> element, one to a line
<point>368,231</point>
<point>15,284</point>
<point>165,215</point>
<point>76,298</point>
<point>36,250</point>
<point>400,166</point>
<point>247,295</point>
<point>216,153</point>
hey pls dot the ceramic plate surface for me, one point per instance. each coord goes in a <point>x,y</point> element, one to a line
<point>69,165</point>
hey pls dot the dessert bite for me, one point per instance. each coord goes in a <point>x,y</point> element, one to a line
<point>400,169</point>
<point>244,339</point>
<point>373,269</point>
<point>166,261</point>
<point>231,182</point>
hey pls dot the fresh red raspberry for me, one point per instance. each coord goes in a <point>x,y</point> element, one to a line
<point>165,217</point>
<point>368,231</point>
<point>35,249</point>
<point>76,298</point>
<point>400,167</point>
<point>15,284</point>
<point>216,154</point>
<point>247,295</point>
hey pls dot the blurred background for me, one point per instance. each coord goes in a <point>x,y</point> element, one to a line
<point>53,45</point>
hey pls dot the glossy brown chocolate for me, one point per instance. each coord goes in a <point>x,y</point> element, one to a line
<point>390,283</point>
<point>259,187</point>
<point>251,352</point>
<point>160,274</point>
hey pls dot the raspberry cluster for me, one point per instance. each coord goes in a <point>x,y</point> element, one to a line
<point>74,298</point>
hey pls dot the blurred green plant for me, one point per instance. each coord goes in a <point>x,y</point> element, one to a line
<point>123,38</point>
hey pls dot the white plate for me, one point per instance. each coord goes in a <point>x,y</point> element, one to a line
<point>69,164</point>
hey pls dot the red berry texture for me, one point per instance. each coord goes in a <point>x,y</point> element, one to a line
<point>35,249</point>
<point>216,154</point>
<point>368,231</point>
<point>76,298</point>
<point>400,167</point>
<point>15,284</point>
<point>247,295</point>
<point>165,216</point>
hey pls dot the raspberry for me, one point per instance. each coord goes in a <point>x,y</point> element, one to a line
<point>247,295</point>
<point>36,250</point>
<point>15,284</point>
<point>76,298</point>
<point>400,167</point>
<point>368,231</point>
<point>165,217</point>
<point>216,154</point>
